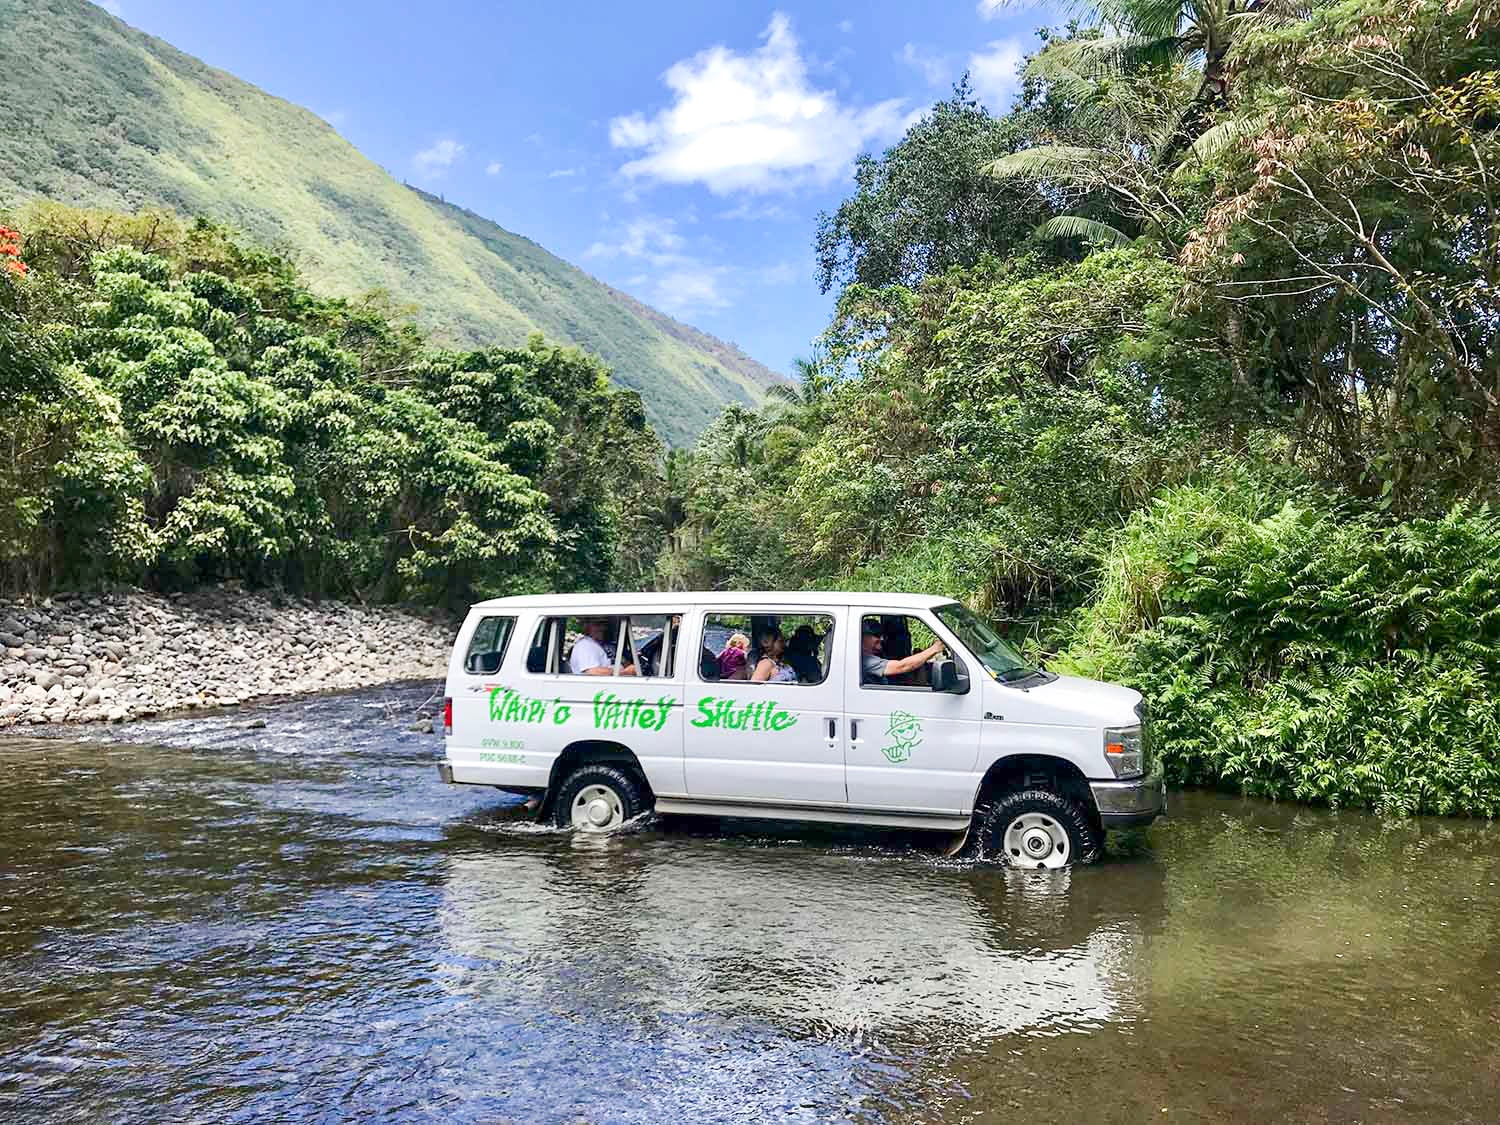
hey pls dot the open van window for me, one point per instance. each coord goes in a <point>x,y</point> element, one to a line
<point>636,645</point>
<point>803,651</point>
<point>996,654</point>
<point>654,641</point>
<point>895,649</point>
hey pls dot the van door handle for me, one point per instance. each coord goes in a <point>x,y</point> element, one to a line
<point>833,728</point>
<point>853,730</point>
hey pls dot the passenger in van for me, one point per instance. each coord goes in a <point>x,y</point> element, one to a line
<point>876,669</point>
<point>734,656</point>
<point>589,656</point>
<point>773,668</point>
<point>802,654</point>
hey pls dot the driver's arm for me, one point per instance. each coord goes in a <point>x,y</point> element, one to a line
<point>914,661</point>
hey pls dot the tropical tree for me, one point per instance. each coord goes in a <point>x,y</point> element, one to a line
<point>925,205</point>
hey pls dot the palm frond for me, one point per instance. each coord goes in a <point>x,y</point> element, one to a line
<point>1111,55</point>
<point>1088,230</point>
<point>1063,162</point>
<point>1217,140</point>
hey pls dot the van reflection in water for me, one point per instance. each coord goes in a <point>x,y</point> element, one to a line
<point>818,939</point>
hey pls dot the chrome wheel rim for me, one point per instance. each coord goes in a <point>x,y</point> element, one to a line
<point>1035,840</point>
<point>597,808</point>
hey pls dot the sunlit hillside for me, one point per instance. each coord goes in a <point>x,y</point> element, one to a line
<point>94,112</point>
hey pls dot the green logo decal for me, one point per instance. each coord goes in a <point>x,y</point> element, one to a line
<point>724,714</point>
<point>508,706</point>
<point>611,712</point>
<point>905,734</point>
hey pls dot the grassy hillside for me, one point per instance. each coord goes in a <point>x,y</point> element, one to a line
<point>117,119</point>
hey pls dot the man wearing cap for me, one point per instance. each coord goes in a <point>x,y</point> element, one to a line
<point>876,669</point>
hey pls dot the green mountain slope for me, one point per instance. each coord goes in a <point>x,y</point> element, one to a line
<point>93,112</point>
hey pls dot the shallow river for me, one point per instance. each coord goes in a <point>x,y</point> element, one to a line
<point>300,921</point>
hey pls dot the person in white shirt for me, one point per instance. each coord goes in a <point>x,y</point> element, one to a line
<point>589,656</point>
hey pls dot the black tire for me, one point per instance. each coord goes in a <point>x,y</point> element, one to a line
<point>1084,840</point>
<point>626,784</point>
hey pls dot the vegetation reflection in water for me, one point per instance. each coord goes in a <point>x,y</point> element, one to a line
<point>302,917</point>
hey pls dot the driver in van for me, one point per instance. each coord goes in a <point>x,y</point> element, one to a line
<point>876,669</point>
<point>589,656</point>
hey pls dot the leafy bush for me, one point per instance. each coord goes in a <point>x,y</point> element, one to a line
<point>1298,651</point>
<point>181,408</point>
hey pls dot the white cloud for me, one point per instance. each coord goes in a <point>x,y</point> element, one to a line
<point>676,278</point>
<point>562,173</point>
<point>750,122</point>
<point>335,117</point>
<point>934,67</point>
<point>995,72</point>
<point>846,26</point>
<point>782,273</point>
<point>493,168</point>
<point>754,212</point>
<point>653,239</point>
<point>434,161</point>
<point>112,7</point>
<point>691,289</point>
<point>991,9</point>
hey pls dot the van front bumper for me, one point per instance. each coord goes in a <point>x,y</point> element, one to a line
<point>1129,804</point>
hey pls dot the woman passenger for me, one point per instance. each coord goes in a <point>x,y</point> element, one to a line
<point>773,668</point>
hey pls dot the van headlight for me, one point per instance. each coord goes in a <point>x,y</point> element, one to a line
<point>1122,750</point>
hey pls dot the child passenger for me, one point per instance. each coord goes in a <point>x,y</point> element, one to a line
<point>733,658</point>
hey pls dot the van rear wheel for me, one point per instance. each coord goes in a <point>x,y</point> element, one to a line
<point>599,797</point>
<point>1038,829</point>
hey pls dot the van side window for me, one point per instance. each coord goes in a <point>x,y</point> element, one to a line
<point>888,639</point>
<point>788,647</point>
<point>487,645</point>
<point>640,645</point>
<point>656,638</point>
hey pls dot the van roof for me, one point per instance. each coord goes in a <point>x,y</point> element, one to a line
<point>789,599</point>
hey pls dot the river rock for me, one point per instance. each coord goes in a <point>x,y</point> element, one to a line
<point>84,659</point>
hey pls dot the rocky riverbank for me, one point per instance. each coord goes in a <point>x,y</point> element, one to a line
<point>113,657</point>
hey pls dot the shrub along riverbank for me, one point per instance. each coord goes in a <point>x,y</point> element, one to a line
<point>179,408</point>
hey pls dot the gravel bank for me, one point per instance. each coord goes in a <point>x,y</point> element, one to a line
<point>113,657</point>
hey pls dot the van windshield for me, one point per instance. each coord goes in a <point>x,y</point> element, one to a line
<point>997,655</point>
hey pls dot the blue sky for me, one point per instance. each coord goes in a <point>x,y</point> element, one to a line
<point>679,151</point>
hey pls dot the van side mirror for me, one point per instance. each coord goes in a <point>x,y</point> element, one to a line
<point>946,676</point>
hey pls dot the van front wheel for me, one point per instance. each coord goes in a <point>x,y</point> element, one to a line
<point>598,798</point>
<point>1039,829</point>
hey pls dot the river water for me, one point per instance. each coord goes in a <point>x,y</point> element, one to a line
<point>200,920</point>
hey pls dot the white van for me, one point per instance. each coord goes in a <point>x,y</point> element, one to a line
<point>893,710</point>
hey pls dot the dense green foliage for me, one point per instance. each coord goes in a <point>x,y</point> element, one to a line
<point>181,407</point>
<point>1308,653</point>
<point>1185,371</point>
<point>116,119</point>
